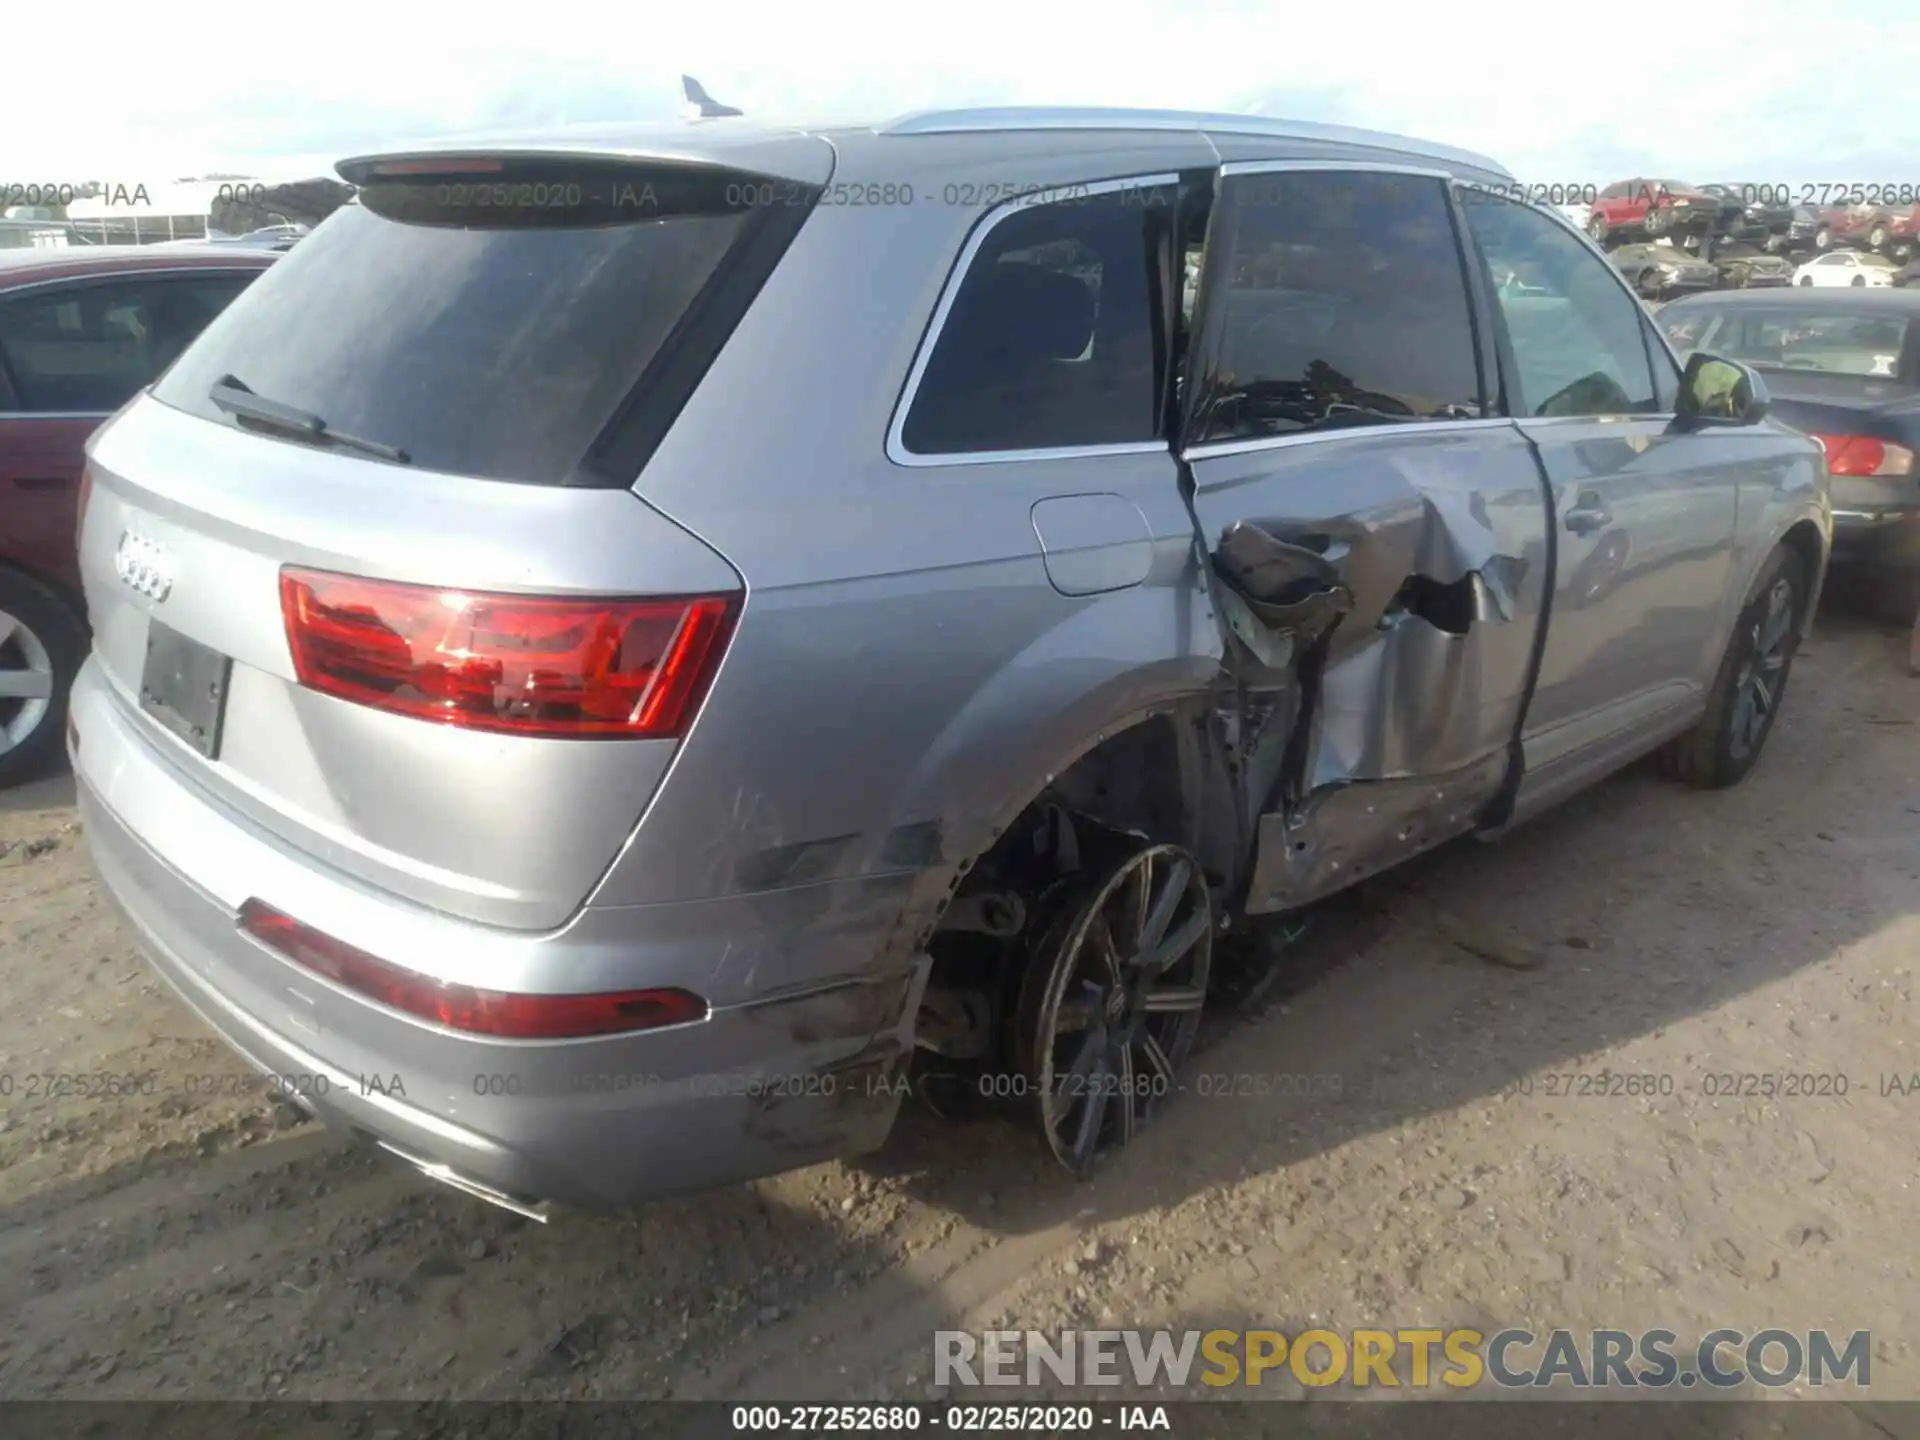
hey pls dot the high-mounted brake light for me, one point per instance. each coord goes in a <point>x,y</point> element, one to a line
<point>462,1007</point>
<point>1864,455</point>
<point>438,165</point>
<point>518,664</point>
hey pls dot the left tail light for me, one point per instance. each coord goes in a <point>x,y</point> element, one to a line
<point>1864,455</point>
<point>462,1007</point>
<point>517,664</point>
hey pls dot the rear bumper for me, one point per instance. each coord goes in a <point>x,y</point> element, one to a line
<point>758,1087</point>
<point>1875,539</point>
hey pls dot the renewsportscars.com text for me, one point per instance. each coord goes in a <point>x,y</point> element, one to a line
<point>1414,1358</point>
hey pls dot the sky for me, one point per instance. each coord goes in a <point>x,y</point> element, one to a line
<point>1767,93</point>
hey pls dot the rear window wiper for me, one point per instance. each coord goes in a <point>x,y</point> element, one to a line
<point>234,396</point>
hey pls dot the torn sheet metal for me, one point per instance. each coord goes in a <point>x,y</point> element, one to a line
<point>1414,700</point>
<point>1272,647</point>
<point>1438,678</point>
<point>1435,556</point>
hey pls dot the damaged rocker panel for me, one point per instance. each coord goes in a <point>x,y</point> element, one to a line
<point>1345,833</point>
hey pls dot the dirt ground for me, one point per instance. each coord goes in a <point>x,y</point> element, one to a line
<point>176,1244</point>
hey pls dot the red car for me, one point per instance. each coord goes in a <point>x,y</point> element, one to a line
<point>1654,208</point>
<point>82,330</point>
<point>1890,229</point>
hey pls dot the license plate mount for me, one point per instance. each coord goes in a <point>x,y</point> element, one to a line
<point>183,685</point>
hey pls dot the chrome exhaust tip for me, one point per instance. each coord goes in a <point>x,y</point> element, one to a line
<point>541,1210</point>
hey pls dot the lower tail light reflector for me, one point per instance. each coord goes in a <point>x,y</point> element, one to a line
<point>463,1007</point>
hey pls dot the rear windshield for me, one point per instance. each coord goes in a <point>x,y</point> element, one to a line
<point>1794,338</point>
<point>503,324</point>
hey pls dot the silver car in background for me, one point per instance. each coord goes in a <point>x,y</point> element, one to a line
<point>624,647</point>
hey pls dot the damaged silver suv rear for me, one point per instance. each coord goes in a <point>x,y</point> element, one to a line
<point>673,634</point>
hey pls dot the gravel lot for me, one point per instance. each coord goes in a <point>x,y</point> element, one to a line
<point>176,1244</point>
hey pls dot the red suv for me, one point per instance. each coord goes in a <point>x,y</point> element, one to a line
<point>1904,231</point>
<point>82,330</point>
<point>1653,208</point>
<point>1890,229</point>
<point>1886,228</point>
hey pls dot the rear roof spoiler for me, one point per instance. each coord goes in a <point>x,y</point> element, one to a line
<point>752,150</point>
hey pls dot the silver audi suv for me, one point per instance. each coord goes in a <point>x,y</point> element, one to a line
<point>626,650</point>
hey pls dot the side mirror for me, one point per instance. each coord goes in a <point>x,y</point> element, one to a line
<point>1717,392</point>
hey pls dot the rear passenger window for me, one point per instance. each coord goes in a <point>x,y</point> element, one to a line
<point>1579,339</point>
<point>1050,340</point>
<point>1345,303</point>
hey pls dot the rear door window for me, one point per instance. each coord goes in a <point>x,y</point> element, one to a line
<point>1343,301</point>
<point>1050,340</point>
<point>517,324</point>
<point>87,347</point>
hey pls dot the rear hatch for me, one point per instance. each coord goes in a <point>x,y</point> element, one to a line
<point>367,564</point>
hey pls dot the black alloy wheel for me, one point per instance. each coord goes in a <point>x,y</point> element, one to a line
<point>1751,683</point>
<point>1110,1005</point>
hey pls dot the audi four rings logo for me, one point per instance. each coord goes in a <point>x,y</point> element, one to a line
<point>141,563</point>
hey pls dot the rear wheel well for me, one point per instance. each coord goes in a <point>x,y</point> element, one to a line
<point>1149,778</point>
<point>1156,780</point>
<point>1131,780</point>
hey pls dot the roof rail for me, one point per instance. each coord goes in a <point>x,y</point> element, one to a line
<point>1047,117</point>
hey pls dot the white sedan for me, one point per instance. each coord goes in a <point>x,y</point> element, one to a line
<point>1846,267</point>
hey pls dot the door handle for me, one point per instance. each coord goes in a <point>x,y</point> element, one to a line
<point>1589,515</point>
